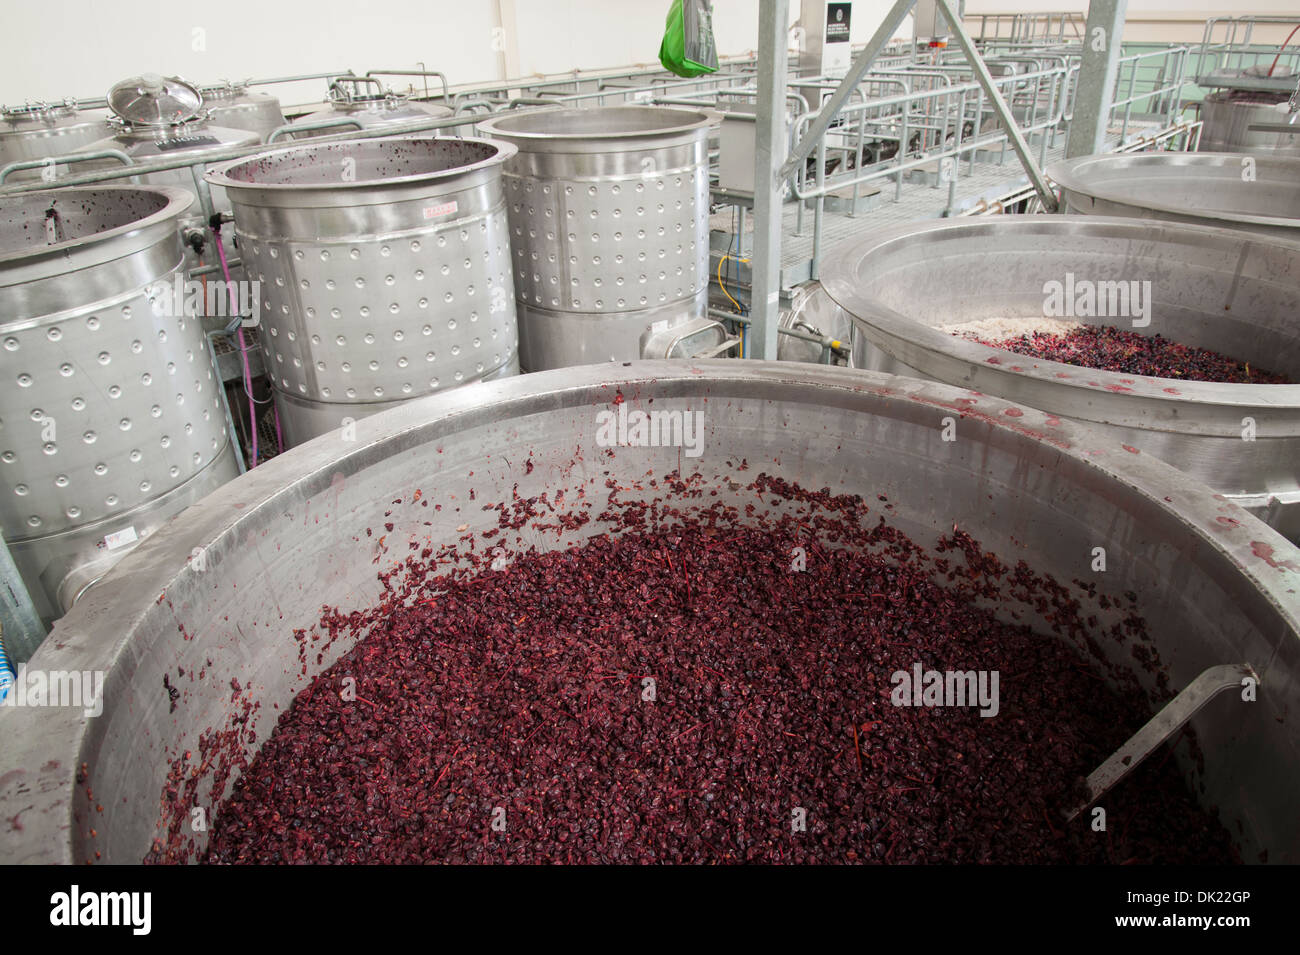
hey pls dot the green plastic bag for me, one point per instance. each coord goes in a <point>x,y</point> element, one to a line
<point>688,49</point>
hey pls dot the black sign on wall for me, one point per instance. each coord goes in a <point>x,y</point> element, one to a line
<point>837,22</point>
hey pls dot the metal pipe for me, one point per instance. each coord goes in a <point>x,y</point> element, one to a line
<point>999,106</point>
<point>900,99</point>
<point>289,129</point>
<point>600,95</point>
<point>1128,103</point>
<point>202,191</point>
<point>897,165</point>
<point>466,106</point>
<point>859,69</point>
<point>50,161</point>
<point>697,100</point>
<point>817,339</point>
<point>234,152</point>
<point>819,210</point>
<point>300,78</point>
<point>100,102</point>
<point>446,90</point>
<point>502,87</point>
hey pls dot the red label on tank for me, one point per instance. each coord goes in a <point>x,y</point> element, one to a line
<point>444,209</point>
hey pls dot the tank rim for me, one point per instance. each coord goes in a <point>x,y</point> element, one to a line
<point>219,174</point>
<point>494,124</point>
<point>178,201</point>
<point>1098,385</point>
<point>1071,175</point>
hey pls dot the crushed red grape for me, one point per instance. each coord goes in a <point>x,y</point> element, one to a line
<point>500,715</point>
<point>1113,349</point>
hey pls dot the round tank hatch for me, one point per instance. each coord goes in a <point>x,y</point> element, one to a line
<point>153,100</point>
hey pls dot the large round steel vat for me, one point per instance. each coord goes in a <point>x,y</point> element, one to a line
<point>111,417</point>
<point>1259,194</point>
<point>384,271</point>
<point>1246,121</point>
<point>609,213</point>
<point>235,106</point>
<point>43,130</point>
<point>1214,288</point>
<point>197,636</point>
<point>371,106</point>
<point>191,140</point>
<point>161,118</point>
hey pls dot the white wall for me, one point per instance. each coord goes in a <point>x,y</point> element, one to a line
<point>94,44</point>
<point>91,45</point>
<point>557,35</point>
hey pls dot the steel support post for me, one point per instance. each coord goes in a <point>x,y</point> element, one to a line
<point>1098,71</point>
<point>1000,107</point>
<point>769,152</point>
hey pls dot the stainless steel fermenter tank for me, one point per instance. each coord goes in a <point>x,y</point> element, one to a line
<point>162,118</point>
<point>1248,121</point>
<point>609,212</point>
<point>373,107</point>
<point>1215,587</point>
<point>384,271</point>
<point>235,106</point>
<point>1253,193</point>
<point>1224,290</point>
<point>111,419</point>
<point>43,130</point>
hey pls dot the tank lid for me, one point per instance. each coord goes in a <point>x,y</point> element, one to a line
<point>153,100</point>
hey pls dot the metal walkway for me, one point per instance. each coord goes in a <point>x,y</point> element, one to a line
<point>920,199</point>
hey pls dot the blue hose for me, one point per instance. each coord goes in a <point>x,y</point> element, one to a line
<point>6,671</point>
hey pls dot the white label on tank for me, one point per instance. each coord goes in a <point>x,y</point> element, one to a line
<point>443,209</point>
<point>121,538</point>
